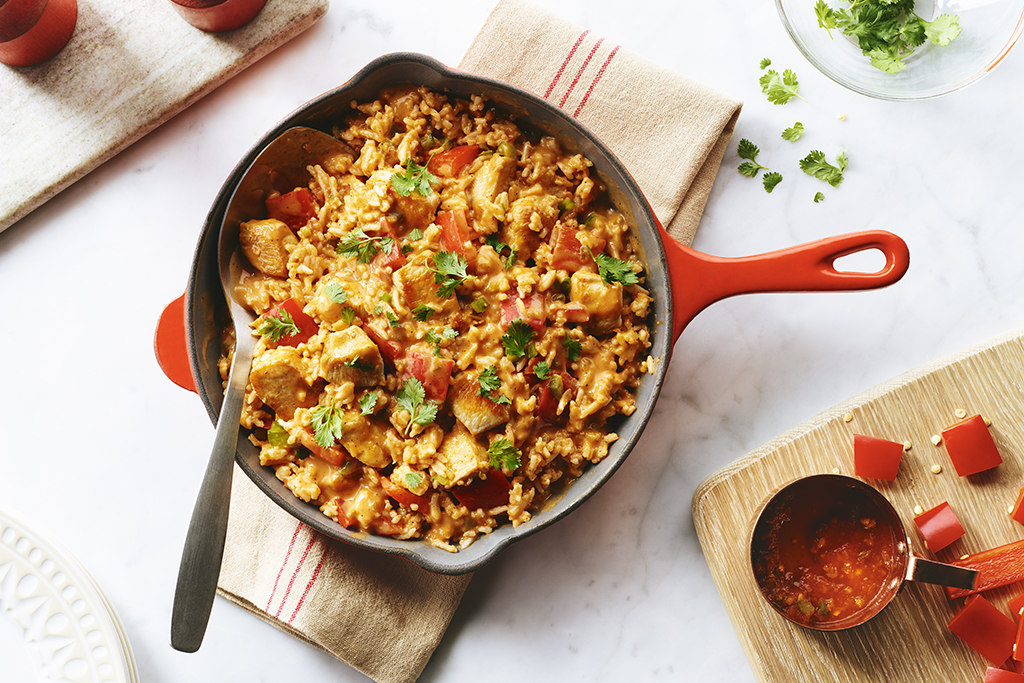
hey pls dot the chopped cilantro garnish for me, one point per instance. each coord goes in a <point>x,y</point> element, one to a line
<point>437,338</point>
<point>614,270</point>
<point>503,454</point>
<point>770,180</point>
<point>573,347</point>
<point>368,403</point>
<point>361,366</point>
<point>542,369</point>
<point>489,383</point>
<point>336,293</point>
<point>327,424</point>
<point>411,398</point>
<point>415,234</point>
<point>780,89</point>
<point>423,313</point>
<point>818,197</point>
<point>499,246</point>
<point>516,340</point>
<point>360,246</point>
<point>278,326</point>
<point>449,272</point>
<point>415,177</point>
<point>815,164</point>
<point>348,314</point>
<point>413,480</point>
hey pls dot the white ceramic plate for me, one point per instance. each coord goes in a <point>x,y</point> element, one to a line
<point>55,622</point>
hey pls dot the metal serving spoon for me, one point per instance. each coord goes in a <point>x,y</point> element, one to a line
<point>282,165</point>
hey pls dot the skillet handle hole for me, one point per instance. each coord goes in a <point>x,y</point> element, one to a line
<point>868,260</point>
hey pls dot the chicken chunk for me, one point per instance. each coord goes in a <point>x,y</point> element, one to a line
<point>351,356</point>
<point>529,219</point>
<point>476,413</point>
<point>278,378</point>
<point>460,457</point>
<point>602,301</point>
<point>491,180</point>
<point>415,284</point>
<point>266,244</point>
<point>364,437</point>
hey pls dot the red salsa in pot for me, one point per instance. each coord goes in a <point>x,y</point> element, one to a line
<point>822,560</point>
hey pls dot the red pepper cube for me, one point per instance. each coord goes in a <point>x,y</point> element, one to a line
<point>1018,508</point>
<point>939,526</point>
<point>971,447</point>
<point>994,675</point>
<point>1018,644</point>
<point>1016,605</point>
<point>983,627</point>
<point>876,458</point>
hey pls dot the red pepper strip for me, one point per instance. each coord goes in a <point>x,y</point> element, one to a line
<point>996,567</point>
<point>981,625</point>
<point>994,675</point>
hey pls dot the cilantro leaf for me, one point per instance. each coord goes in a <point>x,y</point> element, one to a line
<point>794,132</point>
<point>278,326</point>
<point>765,63</point>
<point>449,271</point>
<point>503,454</point>
<point>360,246</point>
<point>573,348</point>
<point>516,340</point>
<point>413,479</point>
<point>542,369</point>
<point>747,150</point>
<point>368,402</point>
<point>336,293</point>
<point>415,177</point>
<point>489,383</point>
<point>815,164</point>
<point>437,338</point>
<point>770,180</point>
<point>423,313</point>
<point>819,197</point>
<point>942,29</point>
<point>614,270</point>
<point>412,399</point>
<point>499,246</point>
<point>780,89</point>
<point>327,424</point>
<point>348,314</point>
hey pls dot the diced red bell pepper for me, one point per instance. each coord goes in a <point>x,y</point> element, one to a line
<point>393,259</point>
<point>434,373</point>
<point>531,310</point>
<point>1015,605</point>
<point>484,493</point>
<point>404,495</point>
<point>939,526</point>
<point>994,675</point>
<point>1018,643</point>
<point>307,326</point>
<point>971,447</point>
<point>449,162</point>
<point>294,208</point>
<point>454,231</point>
<point>982,626</point>
<point>996,567</point>
<point>333,455</point>
<point>567,252</point>
<point>390,349</point>
<point>342,518</point>
<point>549,397</point>
<point>1018,508</point>
<point>876,458</point>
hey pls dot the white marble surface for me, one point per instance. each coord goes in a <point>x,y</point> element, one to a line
<point>100,448</point>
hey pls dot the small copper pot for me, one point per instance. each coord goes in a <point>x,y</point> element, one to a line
<point>799,511</point>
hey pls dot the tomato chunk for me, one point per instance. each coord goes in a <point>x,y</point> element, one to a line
<point>333,455</point>
<point>549,395</point>
<point>393,259</point>
<point>404,495</point>
<point>971,447</point>
<point>996,567</point>
<point>484,493</point>
<point>939,526</point>
<point>449,162</point>
<point>876,458</point>
<point>454,230</point>
<point>531,310</point>
<point>983,627</point>
<point>294,208</point>
<point>307,326</point>
<point>568,253</point>
<point>434,373</point>
<point>375,331</point>
<point>994,675</point>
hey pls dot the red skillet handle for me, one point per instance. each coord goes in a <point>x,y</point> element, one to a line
<point>699,280</point>
<point>171,347</point>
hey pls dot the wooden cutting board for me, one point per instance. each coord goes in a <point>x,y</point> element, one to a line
<point>909,640</point>
<point>129,66</point>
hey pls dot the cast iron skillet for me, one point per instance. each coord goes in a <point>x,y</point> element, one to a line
<point>695,280</point>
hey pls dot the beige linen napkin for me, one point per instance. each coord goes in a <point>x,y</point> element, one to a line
<point>385,616</point>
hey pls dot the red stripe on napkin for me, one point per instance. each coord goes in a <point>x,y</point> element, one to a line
<point>295,574</point>
<point>288,554</point>
<point>565,63</point>
<point>579,73</point>
<point>593,84</point>
<point>309,585</point>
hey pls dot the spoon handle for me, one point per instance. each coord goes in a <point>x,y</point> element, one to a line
<point>204,544</point>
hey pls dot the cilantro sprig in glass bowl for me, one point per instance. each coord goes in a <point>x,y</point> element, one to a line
<point>915,55</point>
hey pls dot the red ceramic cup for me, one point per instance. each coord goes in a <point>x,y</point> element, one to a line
<point>218,15</point>
<point>32,31</point>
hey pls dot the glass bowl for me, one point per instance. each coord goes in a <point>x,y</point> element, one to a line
<point>989,29</point>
